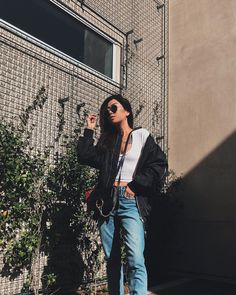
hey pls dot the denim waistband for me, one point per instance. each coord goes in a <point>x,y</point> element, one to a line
<point>121,189</point>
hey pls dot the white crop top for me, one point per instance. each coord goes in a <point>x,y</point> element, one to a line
<point>132,156</point>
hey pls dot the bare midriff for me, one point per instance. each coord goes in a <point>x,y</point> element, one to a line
<point>122,183</point>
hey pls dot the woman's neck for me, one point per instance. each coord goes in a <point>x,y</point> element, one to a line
<point>125,129</point>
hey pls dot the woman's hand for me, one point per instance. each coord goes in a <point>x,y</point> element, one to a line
<point>129,193</point>
<point>91,121</point>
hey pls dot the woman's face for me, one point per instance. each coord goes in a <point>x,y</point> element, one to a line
<point>116,112</point>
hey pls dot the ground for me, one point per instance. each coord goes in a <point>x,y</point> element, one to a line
<point>195,287</point>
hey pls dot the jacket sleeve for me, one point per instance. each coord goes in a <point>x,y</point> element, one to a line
<point>88,153</point>
<point>151,174</point>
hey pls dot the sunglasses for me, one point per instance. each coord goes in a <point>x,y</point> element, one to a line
<point>113,108</point>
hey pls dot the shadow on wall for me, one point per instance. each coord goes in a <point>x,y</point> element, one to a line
<point>161,228</point>
<point>195,234</point>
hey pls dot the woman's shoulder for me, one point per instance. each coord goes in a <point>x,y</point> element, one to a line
<point>142,134</point>
<point>141,130</point>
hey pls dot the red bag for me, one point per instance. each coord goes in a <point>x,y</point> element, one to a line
<point>88,194</point>
<point>90,199</point>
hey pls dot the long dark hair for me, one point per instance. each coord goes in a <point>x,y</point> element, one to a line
<point>109,131</point>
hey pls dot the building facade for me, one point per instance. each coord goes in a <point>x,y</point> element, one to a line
<point>83,51</point>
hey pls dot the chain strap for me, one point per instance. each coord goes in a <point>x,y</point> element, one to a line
<point>100,205</point>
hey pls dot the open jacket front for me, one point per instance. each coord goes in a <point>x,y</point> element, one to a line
<point>150,171</point>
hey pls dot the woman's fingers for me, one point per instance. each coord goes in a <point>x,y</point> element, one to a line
<point>92,117</point>
<point>129,193</point>
<point>91,120</point>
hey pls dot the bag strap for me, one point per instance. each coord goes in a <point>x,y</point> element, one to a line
<point>119,167</point>
<point>122,160</point>
<point>124,154</point>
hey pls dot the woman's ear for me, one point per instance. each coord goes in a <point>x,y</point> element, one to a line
<point>127,114</point>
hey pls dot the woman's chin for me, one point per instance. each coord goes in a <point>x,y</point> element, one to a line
<point>113,120</point>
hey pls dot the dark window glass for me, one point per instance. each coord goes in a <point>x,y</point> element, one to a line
<point>47,22</point>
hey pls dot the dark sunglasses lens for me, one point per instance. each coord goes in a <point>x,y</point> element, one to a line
<point>113,108</point>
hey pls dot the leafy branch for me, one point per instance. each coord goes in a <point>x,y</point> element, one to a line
<point>33,191</point>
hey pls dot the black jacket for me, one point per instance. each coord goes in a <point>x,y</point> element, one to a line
<point>150,172</point>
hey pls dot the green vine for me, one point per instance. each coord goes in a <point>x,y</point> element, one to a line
<point>22,194</point>
<point>139,110</point>
<point>36,195</point>
<point>38,102</point>
<point>61,117</point>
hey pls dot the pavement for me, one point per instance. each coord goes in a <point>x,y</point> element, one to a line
<point>194,287</point>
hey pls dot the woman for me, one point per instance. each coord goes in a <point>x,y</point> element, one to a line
<point>131,169</point>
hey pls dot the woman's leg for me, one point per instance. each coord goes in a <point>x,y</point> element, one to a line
<point>110,236</point>
<point>133,235</point>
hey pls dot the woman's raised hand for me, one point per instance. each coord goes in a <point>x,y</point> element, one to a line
<point>91,120</point>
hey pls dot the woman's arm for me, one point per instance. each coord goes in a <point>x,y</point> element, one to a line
<point>88,153</point>
<point>152,171</point>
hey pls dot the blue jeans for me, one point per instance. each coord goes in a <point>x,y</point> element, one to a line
<point>125,217</point>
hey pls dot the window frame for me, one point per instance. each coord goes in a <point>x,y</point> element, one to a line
<point>116,45</point>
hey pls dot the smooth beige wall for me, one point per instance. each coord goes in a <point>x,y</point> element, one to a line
<point>202,132</point>
<point>202,106</point>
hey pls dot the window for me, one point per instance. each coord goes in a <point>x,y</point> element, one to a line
<point>54,26</point>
